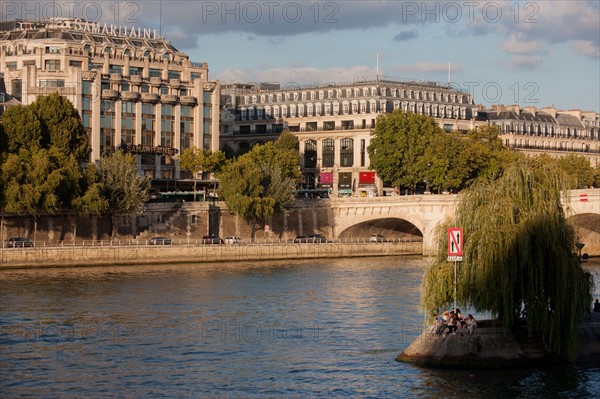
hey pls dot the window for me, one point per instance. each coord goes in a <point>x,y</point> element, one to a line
<point>329,125</point>
<point>135,71</point>
<point>155,73</point>
<point>186,127</point>
<point>124,86</point>
<point>311,126</point>
<point>164,90</point>
<point>75,64</point>
<point>347,125</point>
<point>277,127</point>
<point>127,122</point>
<point>52,50</point>
<point>310,154</point>
<point>167,125</point>
<point>52,83</point>
<point>107,126</point>
<point>148,120</point>
<point>195,75</point>
<point>52,65</point>
<point>115,69</point>
<point>328,153</point>
<point>362,152</point>
<point>448,127</point>
<point>347,152</point>
<point>174,75</point>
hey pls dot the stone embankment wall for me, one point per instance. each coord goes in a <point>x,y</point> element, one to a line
<point>68,256</point>
<point>177,221</point>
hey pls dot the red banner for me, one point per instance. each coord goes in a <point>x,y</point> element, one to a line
<point>366,178</point>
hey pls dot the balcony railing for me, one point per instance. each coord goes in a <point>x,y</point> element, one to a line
<point>296,129</point>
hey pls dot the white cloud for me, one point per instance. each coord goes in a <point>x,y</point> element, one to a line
<point>427,67</point>
<point>296,75</point>
<point>516,44</point>
<point>586,48</point>
<point>525,62</point>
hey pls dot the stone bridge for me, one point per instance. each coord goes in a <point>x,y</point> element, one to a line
<point>417,216</point>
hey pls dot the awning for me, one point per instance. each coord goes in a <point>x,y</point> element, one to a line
<point>326,178</point>
<point>366,178</point>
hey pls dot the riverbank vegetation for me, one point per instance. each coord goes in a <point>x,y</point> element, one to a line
<point>519,255</point>
<point>263,181</point>
<point>408,150</point>
<point>44,166</point>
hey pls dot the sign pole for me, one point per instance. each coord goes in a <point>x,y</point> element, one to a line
<point>455,251</point>
<point>455,263</point>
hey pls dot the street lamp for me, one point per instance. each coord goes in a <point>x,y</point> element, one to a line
<point>580,246</point>
<point>427,191</point>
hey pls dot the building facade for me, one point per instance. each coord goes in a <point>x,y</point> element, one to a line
<point>548,130</point>
<point>333,123</point>
<point>132,88</point>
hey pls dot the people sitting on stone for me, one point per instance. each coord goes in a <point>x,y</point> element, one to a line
<point>443,323</point>
<point>470,324</point>
<point>459,316</point>
<point>597,306</point>
<point>437,321</point>
<point>452,325</point>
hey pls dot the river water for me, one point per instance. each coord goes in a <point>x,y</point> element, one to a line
<point>302,329</point>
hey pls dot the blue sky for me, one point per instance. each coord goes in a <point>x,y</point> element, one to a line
<point>538,53</point>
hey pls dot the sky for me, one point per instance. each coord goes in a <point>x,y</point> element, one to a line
<point>533,53</point>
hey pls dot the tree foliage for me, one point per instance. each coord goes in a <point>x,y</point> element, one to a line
<point>125,191</point>
<point>61,126</point>
<point>407,149</point>
<point>22,129</point>
<point>30,181</point>
<point>519,251</point>
<point>262,181</point>
<point>48,134</point>
<point>579,169</point>
<point>398,144</point>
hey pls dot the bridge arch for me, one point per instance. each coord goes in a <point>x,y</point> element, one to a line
<point>587,227</point>
<point>391,228</point>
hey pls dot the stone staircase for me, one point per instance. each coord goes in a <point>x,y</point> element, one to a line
<point>532,345</point>
<point>167,227</point>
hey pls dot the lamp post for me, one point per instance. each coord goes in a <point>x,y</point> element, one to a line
<point>579,246</point>
<point>427,191</point>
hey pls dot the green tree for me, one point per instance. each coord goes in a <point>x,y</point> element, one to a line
<point>22,129</point>
<point>30,181</point>
<point>196,160</point>
<point>51,123</point>
<point>92,201</point>
<point>597,176</point>
<point>61,126</point>
<point>261,182</point>
<point>579,169</point>
<point>445,162</point>
<point>486,155</point>
<point>398,144</point>
<point>125,191</point>
<point>519,251</point>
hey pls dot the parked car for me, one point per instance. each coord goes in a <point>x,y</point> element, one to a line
<point>313,238</point>
<point>19,242</point>
<point>212,239</point>
<point>377,238</point>
<point>233,240</point>
<point>160,241</point>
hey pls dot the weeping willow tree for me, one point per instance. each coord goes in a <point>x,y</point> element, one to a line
<point>519,252</point>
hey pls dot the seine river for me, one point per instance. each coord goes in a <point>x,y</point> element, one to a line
<point>303,329</point>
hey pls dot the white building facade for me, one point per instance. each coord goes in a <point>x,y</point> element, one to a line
<point>132,88</point>
<point>333,123</point>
